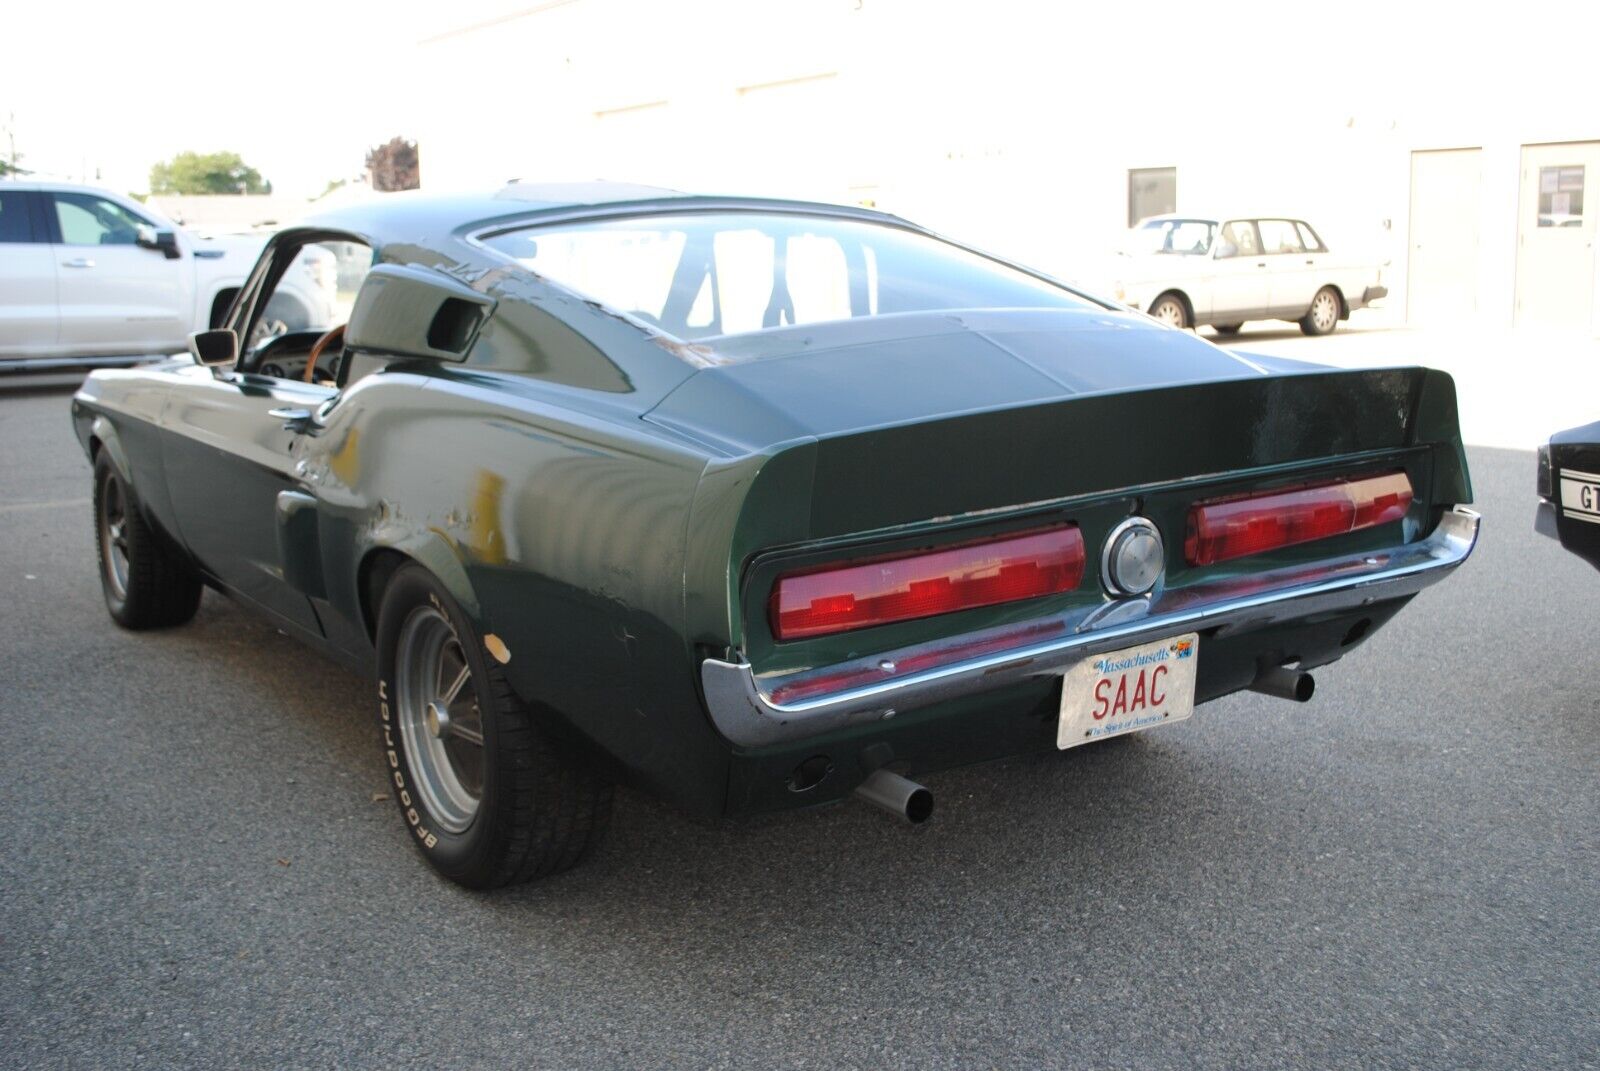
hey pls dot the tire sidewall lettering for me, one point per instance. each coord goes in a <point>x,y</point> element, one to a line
<point>408,807</point>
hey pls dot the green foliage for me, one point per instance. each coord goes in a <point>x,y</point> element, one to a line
<point>212,172</point>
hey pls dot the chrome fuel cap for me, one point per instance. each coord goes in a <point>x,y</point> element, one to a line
<point>1133,557</point>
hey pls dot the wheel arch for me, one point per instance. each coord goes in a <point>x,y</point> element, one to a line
<point>292,302</point>
<point>1173,291</point>
<point>1338,292</point>
<point>103,436</point>
<point>381,561</point>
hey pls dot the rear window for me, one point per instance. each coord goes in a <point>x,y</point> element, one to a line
<point>699,275</point>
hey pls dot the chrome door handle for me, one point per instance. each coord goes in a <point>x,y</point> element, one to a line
<point>293,417</point>
<point>1261,264</point>
<point>78,262</point>
<point>1310,261</point>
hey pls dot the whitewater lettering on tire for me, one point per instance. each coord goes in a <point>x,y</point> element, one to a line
<point>402,790</point>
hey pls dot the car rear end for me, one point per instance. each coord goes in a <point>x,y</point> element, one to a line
<point>1568,485</point>
<point>935,592</point>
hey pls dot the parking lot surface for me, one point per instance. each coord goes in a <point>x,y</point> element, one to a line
<point>200,867</point>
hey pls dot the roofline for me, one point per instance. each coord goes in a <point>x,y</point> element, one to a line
<point>482,216</point>
<point>1201,217</point>
<point>686,205</point>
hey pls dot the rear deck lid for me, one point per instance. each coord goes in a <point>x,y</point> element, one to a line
<point>845,376</point>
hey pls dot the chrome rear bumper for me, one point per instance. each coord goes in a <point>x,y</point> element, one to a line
<point>752,711</point>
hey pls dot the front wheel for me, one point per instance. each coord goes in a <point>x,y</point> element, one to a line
<point>147,582</point>
<point>1323,315</point>
<point>1170,310</point>
<point>488,798</point>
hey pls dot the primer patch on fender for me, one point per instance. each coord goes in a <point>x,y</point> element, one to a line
<point>497,647</point>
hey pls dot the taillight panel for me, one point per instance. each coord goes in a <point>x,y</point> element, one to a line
<point>854,595</point>
<point>901,622</point>
<point>1237,527</point>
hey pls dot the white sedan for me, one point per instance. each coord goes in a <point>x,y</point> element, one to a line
<point>90,276</point>
<point>1188,271</point>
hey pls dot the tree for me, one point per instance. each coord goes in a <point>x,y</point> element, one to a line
<point>8,162</point>
<point>393,165</point>
<point>212,172</point>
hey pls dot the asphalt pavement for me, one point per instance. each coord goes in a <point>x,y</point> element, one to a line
<point>198,867</point>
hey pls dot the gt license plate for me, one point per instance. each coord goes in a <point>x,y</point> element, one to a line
<point>1128,690</point>
<point>1580,495</point>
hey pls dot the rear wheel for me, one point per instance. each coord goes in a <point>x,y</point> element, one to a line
<point>1323,315</point>
<point>147,582</point>
<point>489,798</point>
<point>1170,309</point>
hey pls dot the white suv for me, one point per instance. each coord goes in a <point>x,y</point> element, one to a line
<point>89,276</point>
<point>1188,271</point>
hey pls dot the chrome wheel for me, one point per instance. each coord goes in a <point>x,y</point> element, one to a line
<point>114,536</point>
<point>1324,311</point>
<point>441,726</point>
<point>1170,311</point>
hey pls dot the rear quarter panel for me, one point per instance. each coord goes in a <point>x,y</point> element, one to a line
<point>559,523</point>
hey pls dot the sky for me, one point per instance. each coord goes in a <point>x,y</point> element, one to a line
<point>115,88</point>
<point>301,89</point>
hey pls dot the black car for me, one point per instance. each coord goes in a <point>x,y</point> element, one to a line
<point>1569,491</point>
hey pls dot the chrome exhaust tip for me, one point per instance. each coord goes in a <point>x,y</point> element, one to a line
<point>898,795</point>
<point>1285,683</point>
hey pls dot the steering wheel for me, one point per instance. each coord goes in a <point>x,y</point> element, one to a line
<point>333,335</point>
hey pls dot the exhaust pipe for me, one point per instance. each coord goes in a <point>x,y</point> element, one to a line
<point>897,795</point>
<point>1285,684</point>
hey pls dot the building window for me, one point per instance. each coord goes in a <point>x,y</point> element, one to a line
<point>1561,196</point>
<point>1152,191</point>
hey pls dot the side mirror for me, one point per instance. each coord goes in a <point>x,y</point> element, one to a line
<point>164,242</point>
<point>217,348</point>
<point>1225,250</point>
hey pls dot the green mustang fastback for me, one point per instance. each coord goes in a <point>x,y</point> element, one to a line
<point>753,504</point>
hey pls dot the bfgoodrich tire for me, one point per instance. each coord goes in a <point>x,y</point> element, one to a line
<point>489,799</point>
<point>147,582</point>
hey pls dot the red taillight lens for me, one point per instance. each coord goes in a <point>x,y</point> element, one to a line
<point>1236,528</point>
<point>922,585</point>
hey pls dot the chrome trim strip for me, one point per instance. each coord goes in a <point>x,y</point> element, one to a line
<point>741,705</point>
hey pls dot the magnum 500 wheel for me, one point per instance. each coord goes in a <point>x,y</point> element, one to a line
<point>489,799</point>
<point>147,582</point>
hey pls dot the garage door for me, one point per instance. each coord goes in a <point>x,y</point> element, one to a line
<point>1442,284</point>
<point>1555,234</point>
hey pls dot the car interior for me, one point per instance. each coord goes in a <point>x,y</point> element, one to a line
<point>719,274</point>
<point>1238,239</point>
<point>88,220</point>
<point>314,352</point>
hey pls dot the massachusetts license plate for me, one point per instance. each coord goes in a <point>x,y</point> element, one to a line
<point>1128,690</point>
<point>1580,495</point>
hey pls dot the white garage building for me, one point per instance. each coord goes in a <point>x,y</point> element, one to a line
<point>1460,143</point>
